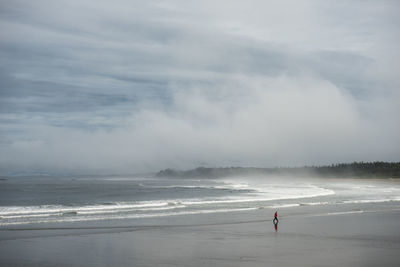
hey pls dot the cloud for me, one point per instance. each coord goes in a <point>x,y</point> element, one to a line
<point>139,86</point>
<point>270,121</point>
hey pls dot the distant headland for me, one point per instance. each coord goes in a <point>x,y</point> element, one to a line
<point>376,169</point>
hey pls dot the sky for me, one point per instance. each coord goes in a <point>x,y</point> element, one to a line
<point>114,87</point>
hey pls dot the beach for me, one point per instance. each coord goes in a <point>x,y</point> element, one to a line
<point>361,235</point>
<point>199,133</point>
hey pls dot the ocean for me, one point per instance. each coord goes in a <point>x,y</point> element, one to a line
<point>56,200</point>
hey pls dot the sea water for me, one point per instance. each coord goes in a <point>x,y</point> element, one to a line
<point>40,200</point>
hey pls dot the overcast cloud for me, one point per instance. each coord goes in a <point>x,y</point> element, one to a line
<point>137,86</point>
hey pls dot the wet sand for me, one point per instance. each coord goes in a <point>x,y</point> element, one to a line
<point>316,237</point>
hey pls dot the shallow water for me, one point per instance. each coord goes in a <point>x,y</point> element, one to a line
<point>33,200</point>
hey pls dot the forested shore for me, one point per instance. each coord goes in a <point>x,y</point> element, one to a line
<point>376,169</point>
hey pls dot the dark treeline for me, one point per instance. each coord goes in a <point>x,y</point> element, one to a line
<point>376,169</point>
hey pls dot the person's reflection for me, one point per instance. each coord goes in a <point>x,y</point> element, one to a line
<point>276,221</point>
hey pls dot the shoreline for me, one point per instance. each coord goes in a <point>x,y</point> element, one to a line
<point>312,237</point>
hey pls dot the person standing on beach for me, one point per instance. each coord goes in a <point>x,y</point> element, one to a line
<point>275,220</point>
<point>276,217</point>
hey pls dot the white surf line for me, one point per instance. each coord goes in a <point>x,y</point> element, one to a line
<point>362,201</point>
<point>348,212</point>
<point>333,213</point>
<point>133,216</point>
<point>56,209</point>
<point>344,212</point>
<point>132,227</point>
<point>115,210</point>
<point>282,206</point>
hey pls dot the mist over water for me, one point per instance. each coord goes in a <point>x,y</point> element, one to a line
<point>132,86</point>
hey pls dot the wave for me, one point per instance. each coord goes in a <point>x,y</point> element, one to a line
<point>253,198</point>
<point>48,209</point>
<point>363,201</point>
<point>315,203</point>
<point>353,201</point>
<point>338,213</point>
<point>250,197</point>
<point>128,216</point>
<point>284,206</point>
